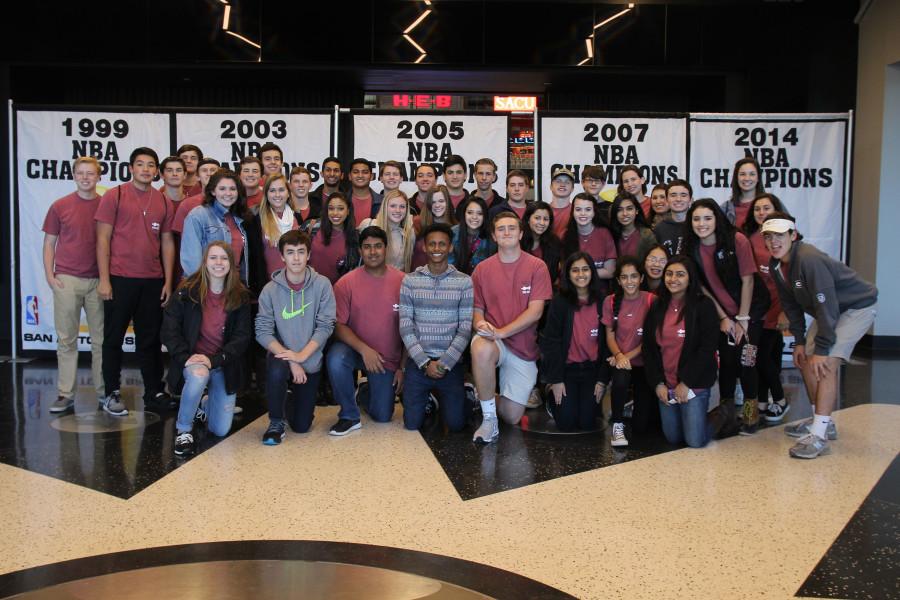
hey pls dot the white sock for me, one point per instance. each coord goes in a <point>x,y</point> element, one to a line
<point>820,425</point>
<point>489,408</point>
<point>762,405</point>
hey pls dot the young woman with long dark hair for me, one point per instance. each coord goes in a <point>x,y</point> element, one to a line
<point>629,228</point>
<point>654,266</point>
<point>585,233</point>
<point>538,238</point>
<point>472,241</point>
<point>679,350</point>
<point>571,357</point>
<point>624,312</point>
<point>745,186</point>
<point>728,274</point>
<point>335,246</point>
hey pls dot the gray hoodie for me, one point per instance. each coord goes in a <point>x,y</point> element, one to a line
<point>296,318</point>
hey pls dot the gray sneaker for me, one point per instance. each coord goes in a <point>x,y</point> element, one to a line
<point>61,405</point>
<point>488,432</point>
<point>802,428</point>
<point>113,405</point>
<point>810,446</point>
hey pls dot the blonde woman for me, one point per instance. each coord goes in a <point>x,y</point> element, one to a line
<point>277,215</point>
<point>395,219</point>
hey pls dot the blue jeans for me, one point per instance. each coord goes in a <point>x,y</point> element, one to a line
<point>450,389</point>
<point>341,361</point>
<point>219,408</point>
<point>278,376</point>
<point>686,422</point>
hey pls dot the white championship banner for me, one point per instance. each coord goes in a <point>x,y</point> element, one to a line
<point>46,144</point>
<point>414,138</point>
<point>802,159</point>
<point>655,144</point>
<point>305,139</point>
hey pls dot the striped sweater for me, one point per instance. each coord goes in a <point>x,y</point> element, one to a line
<point>436,315</point>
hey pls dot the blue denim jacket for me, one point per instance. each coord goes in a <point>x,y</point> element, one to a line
<point>205,224</point>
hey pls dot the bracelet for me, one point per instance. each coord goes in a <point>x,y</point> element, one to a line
<point>742,318</point>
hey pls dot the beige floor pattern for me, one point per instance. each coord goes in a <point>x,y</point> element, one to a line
<point>738,519</point>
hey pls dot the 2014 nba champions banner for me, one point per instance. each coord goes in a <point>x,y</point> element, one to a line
<point>415,138</point>
<point>802,159</point>
<point>305,139</point>
<point>46,144</point>
<point>655,143</point>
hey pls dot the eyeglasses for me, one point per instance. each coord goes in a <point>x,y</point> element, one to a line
<point>657,261</point>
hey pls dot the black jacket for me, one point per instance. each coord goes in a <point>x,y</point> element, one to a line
<point>181,330</point>
<point>759,301</point>
<point>697,367</point>
<point>556,336</point>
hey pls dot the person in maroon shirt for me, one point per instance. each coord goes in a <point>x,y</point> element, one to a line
<point>562,184</point>
<point>538,239</point>
<point>335,244</point>
<point>272,159</point>
<point>207,330</point>
<point>485,178</point>
<point>207,168</point>
<point>332,174</point>
<point>679,350</point>
<point>455,170</point>
<point>511,288</point>
<point>771,341</point>
<point>135,258</point>
<point>571,357</point>
<point>586,233</point>
<point>307,211</point>
<point>632,182</point>
<point>630,231</point>
<point>172,171</point>
<point>70,267</point>
<point>657,208</point>
<point>251,177</point>
<point>366,201</point>
<point>191,155</point>
<point>654,265</point>
<point>729,277</point>
<point>624,312</point>
<point>426,179</point>
<point>745,186</point>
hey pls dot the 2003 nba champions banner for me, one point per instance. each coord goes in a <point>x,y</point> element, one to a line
<point>305,139</point>
<point>413,139</point>
<point>802,160</point>
<point>47,143</point>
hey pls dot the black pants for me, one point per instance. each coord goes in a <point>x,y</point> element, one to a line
<point>578,409</point>
<point>644,402</point>
<point>134,300</point>
<point>730,367</point>
<point>768,365</point>
<point>303,395</point>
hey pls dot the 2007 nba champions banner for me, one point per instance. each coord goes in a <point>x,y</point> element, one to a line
<point>802,160</point>
<point>415,138</point>
<point>47,142</point>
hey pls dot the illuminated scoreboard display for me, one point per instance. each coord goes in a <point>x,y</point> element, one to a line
<point>413,101</point>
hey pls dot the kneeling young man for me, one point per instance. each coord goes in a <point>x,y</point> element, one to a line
<point>511,288</point>
<point>435,325</point>
<point>843,306</point>
<point>295,320</point>
<point>367,334</point>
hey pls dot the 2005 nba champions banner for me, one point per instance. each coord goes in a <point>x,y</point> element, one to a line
<point>46,144</point>
<point>415,138</point>
<point>802,160</point>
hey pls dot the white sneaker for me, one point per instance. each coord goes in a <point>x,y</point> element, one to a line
<point>488,432</point>
<point>618,435</point>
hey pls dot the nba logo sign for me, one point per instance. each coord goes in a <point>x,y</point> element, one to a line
<point>31,310</point>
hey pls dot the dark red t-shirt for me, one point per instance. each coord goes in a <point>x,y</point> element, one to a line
<point>139,219</point>
<point>628,245</point>
<point>362,208</point>
<point>741,209</point>
<point>324,259</point>
<point>599,244</point>
<point>212,325</point>
<point>71,219</point>
<point>255,199</point>
<point>370,306</point>
<point>455,200</point>
<point>237,240</point>
<point>671,341</point>
<point>585,335</point>
<point>561,218</point>
<point>746,266</point>
<point>181,213</point>
<point>762,256</point>
<point>630,322</point>
<point>503,291</point>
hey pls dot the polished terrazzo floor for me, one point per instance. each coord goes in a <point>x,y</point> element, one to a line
<point>737,519</point>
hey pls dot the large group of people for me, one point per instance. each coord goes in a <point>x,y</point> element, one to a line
<point>256,278</point>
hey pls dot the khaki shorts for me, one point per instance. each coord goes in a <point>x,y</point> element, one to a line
<point>851,326</point>
<point>517,376</point>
